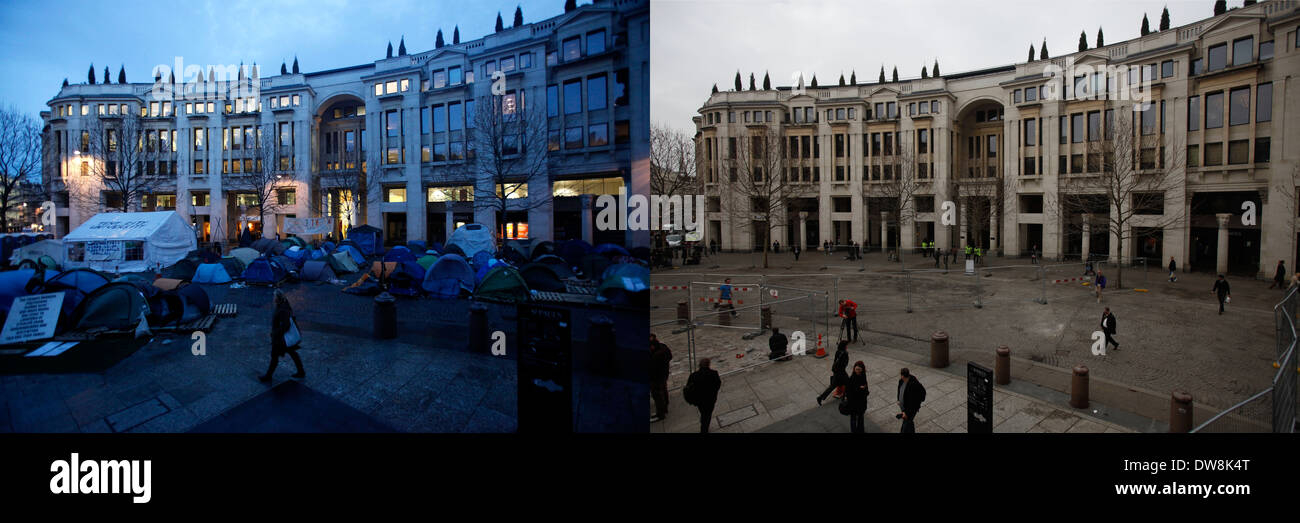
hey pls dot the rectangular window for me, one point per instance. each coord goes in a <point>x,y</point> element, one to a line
<point>1238,152</point>
<point>573,97</point>
<point>1243,50</point>
<point>439,118</point>
<point>1064,129</point>
<point>1015,97</point>
<point>406,84</point>
<point>1094,126</point>
<point>439,79</point>
<point>1214,153</point>
<point>1213,113</point>
<point>573,138</point>
<point>572,48</point>
<point>596,42</point>
<point>923,141</point>
<point>1166,68</point>
<point>1194,155</point>
<point>1264,103</point>
<point>597,135</point>
<point>597,98</point>
<point>1239,106</point>
<point>1031,132</point>
<point>440,151</point>
<point>1262,150</point>
<point>469,114</point>
<point>525,60</point>
<point>993,146</point>
<point>1031,94</point>
<point>1194,113</point>
<point>1198,66</point>
<point>390,87</point>
<point>1076,163</point>
<point>425,123</point>
<point>1218,57</point>
<point>455,116</point>
<point>1149,119</point>
<point>507,64</point>
<point>455,76</point>
<point>1076,128</point>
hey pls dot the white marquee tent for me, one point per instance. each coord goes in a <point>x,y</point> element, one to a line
<point>130,242</point>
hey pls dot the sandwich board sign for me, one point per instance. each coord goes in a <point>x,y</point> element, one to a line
<point>32,317</point>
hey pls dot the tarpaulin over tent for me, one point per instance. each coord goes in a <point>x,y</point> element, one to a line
<point>130,242</point>
<point>211,273</point>
<point>367,238</point>
<point>449,276</point>
<point>502,283</point>
<point>341,262</point>
<point>33,251</point>
<point>245,255</point>
<point>625,284</point>
<point>472,238</point>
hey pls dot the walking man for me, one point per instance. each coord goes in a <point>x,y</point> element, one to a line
<point>839,372</point>
<point>1279,277</point>
<point>724,297</point>
<point>1099,283</point>
<point>910,396</point>
<point>1173,270</point>
<point>659,358</point>
<point>849,320</point>
<point>702,391</point>
<point>796,252</point>
<point>1108,327</point>
<point>1223,291</point>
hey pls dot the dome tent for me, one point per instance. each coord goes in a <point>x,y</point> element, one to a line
<point>367,238</point>
<point>472,238</point>
<point>76,284</point>
<point>427,261</point>
<point>211,273</point>
<point>625,284</point>
<point>130,242</point>
<point>448,277</point>
<point>353,252</point>
<point>268,246</point>
<point>245,256</point>
<point>542,249</point>
<point>341,263</point>
<point>542,277</point>
<point>264,271</point>
<point>573,250</point>
<point>399,253</point>
<point>502,283</point>
<point>116,306</point>
<point>317,270</point>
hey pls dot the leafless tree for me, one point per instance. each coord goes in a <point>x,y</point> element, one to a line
<point>984,199</point>
<point>118,148</point>
<point>510,148</point>
<point>343,173</point>
<point>896,188</point>
<point>20,159</point>
<point>755,187</point>
<point>267,177</point>
<point>1132,179</point>
<point>673,169</point>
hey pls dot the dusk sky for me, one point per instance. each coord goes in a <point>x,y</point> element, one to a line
<point>699,43</point>
<point>47,41</point>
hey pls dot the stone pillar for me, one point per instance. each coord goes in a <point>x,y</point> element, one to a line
<point>963,225</point>
<point>884,232</point>
<point>1087,235</point>
<point>802,235</point>
<point>450,216</point>
<point>588,234</point>
<point>994,230</point>
<point>1221,261</point>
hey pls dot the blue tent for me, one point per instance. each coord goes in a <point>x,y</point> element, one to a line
<point>367,238</point>
<point>197,304</point>
<point>436,247</point>
<point>448,277</point>
<point>328,247</point>
<point>573,250</point>
<point>76,284</point>
<point>355,253</point>
<point>611,250</point>
<point>472,238</point>
<point>407,279</point>
<point>264,271</point>
<point>211,273</point>
<point>480,259</point>
<point>399,253</point>
<point>482,268</point>
<point>625,284</point>
<point>416,246</point>
<point>12,285</point>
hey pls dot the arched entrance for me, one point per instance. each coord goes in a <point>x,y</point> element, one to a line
<point>978,188</point>
<point>340,136</point>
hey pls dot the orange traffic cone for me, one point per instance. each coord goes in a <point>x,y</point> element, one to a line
<point>821,351</point>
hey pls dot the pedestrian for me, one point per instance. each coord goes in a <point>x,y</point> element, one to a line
<point>1108,327</point>
<point>1033,255</point>
<point>1088,269</point>
<point>796,252</point>
<point>839,372</point>
<point>1173,270</point>
<point>659,358</point>
<point>777,346</point>
<point>1223,291</point>
<point>702,391</point>
<point>856,391</point>
<point>937,254</point>
<point>1098,284</point>
<point>285,337</point>
<point>910,396</point>
<point>1279,277</point>
<point>724,297</point>
<point>776,247</point>
<point>848,314</point>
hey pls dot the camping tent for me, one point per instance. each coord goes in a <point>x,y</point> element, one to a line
<point>317,270</point>
<point>625,284</point>
<point>294,241</point>
<point>264,271</point>
<point>502,283</point>
<point>427,261</point>
<point>33,251</point>
<point>594,265</point>
<point>452,248</point>
<point>449,276</point>
<point>542,249</point>
<point>269,245</point>
<point>543,277</point>
<point>76,285</point>
<point>211,273</point>
<point>512,256</point>
<point>341,263</point>
<point>481,268</point>
<point>610,250</point>
<point>416,246</point>
<point>573,250</point>
<point>354,252</point>
<point>245,255</point>
<point>472,238</point>
<point>399,253</point>
<point>367,238</point>
<point>406,279</point>
<point>181,270</point>
<point>114,306</point>
<point>130,242</point>
<point>481,260</point>
<point>234,266</point>
<point>12,285</point>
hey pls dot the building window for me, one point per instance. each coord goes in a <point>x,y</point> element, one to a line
<point>923,141</point>
<point>439,119</point>
<point>395,194</point>
<point>1149,119</point>
<point>1262,149</point>
<point>552,58</point>
<point>1194,155</point>
<point>507,64</point>
<point>1242,50</point>
<point>1264,103</point>
<point>1197,66</point>
<point>1214,153</point>
<point>1094,126</point>
<point>1194,113</point>
<point>596,42</point>
<point>1266,50</point>
<point>597,97</point>
<point>573,138</point>
<point>1076,128</point>
<point>1166,68</point>
<point>597,135</point>
<point>1238,152</point>
<point>572,48</point>
<point>1213,113</point>
<point>1218,58</point>
<point>406,84</point>
<point>573,97</point>
<point>1239,106</point>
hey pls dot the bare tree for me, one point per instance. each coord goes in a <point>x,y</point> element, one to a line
<point>757,190</point>
<point>20,159</point>
<point>985,200</point>
<point>673,169</point>
<point>262,174</point>
<point>896,188</point>
<point>342,172</point>
<point>510,148</point>
<point>120,158</point>
<point>1132,178</point>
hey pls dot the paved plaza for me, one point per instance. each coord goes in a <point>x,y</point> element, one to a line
<point>1171,335</point>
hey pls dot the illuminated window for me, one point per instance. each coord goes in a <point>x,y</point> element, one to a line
<point>379,89</point>
<point>406,84</point>
<point>461,193</point>
<point>512,191</point>
<point>395,194</point>
<point>296,99</point>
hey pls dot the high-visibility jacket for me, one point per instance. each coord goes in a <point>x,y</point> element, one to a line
<point>968,250</point>
<point>979,251</point>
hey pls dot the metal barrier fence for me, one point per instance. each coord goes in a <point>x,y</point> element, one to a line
<point>1273,408</point>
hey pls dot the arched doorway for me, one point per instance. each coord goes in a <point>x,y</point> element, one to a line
<point>341,162</point>
<point>977,180</point>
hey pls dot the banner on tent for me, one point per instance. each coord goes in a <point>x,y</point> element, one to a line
<point>32,317</point>
<point>320,225</point>
<point>104,250</point>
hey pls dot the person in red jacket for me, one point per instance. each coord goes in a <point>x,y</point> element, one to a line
<point>849,322</point>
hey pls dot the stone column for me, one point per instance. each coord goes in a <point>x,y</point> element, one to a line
<point>994,230</point>
<point>588,234</point>
<point>884,232</point>
<point>1221,261</point>
<point>1087,235</point>
<point>963,225</point>
<point>802,234</point>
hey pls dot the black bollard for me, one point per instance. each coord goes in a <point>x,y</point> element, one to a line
<point>385,327</point>
<point>478,327</point>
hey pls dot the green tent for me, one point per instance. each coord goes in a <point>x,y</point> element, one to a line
<point>427,261</point>
<point>502,283</point>
<point>294,240</point>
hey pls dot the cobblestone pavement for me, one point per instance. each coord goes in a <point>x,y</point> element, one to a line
<point>1171,335</point>
<point>780,397</point>
<point>425,380</point>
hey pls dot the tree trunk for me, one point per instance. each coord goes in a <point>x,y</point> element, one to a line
<point>1119,267</point>
<point>766,236</point>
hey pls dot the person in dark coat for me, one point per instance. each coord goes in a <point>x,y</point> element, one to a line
<point>777,346</point>
<point>659,358</point>
<point>1108,327</point>
<point>245,238</point>
<point>910,396</point>
<point>280,322</point>
<point>703,387</point>
<point>839,372</point>
<point>856,391</point>
<point>797,250</point>
<point>1279,277</point>
<point>1223,291</point>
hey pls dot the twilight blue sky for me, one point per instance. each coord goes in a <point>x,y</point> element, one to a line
<point>45,41</point>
